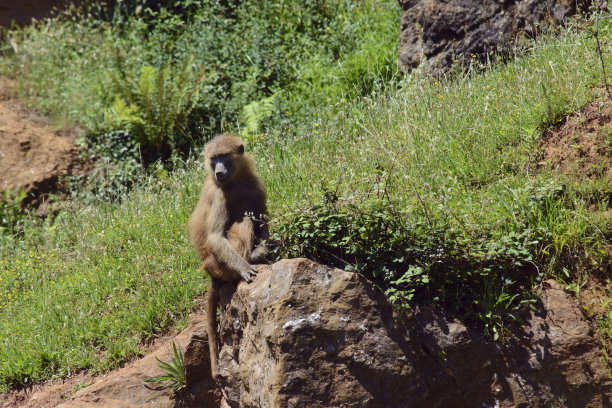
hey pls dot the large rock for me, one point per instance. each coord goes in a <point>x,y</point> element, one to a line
<point>304,335</point>
<point>441,31</point>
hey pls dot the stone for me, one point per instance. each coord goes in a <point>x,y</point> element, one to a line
<point>196,357</point>
<point>126,387</point>
<point>438,32</point>
<point>302,334</point>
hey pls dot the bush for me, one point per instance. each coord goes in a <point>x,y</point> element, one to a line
<point>155,106</point>
<point>414,255</point>
<point>198,67</point>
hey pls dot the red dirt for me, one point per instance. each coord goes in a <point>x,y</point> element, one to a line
<point>582,146</point>
<point>33,156</point>
<point>45,395</point>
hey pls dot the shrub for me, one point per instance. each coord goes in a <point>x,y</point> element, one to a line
<point>11,212</point>
<point>155,106</point>
<point>418,255</point>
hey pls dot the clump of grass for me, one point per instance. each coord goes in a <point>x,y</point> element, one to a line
<point>11,212</point>
<point>174,371</point>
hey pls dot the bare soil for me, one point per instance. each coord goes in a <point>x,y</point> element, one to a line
<point>582,146</point>
<point>33,156</point>
<point>46,395</point>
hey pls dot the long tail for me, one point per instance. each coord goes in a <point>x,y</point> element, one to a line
<point>212,301</point>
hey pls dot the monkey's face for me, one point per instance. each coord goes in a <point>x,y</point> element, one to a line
<point>225,157</point>
<point>222,167</point>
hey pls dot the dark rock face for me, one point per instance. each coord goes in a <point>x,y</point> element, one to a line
<point>23,11</point>
<point>443,30</point>
<point>304,335</point>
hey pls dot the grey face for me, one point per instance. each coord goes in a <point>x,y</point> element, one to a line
<point>223,168</point>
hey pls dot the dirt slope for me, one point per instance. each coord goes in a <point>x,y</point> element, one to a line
<point>582,145</point>
<point>33,156</point>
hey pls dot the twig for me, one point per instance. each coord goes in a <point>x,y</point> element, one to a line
<point>603,66</point>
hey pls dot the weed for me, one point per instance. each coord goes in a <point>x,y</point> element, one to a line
<point>174,371</point>
<point>11,212</point>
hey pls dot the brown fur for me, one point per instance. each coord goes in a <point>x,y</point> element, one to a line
<point>228,225</point>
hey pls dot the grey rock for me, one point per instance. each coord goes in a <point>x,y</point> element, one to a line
<point>304,335</point>
<point>439,31</point>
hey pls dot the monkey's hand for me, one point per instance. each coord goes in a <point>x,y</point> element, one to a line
<point>249,273</point>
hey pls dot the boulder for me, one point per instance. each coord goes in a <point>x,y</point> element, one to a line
<point>441,31</point>
<point>306,335</point>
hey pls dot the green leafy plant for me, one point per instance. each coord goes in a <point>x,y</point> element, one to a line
<point>174,376</point>
<point>156,106</point>
<point>416,256</point>
<point>117,166</point>
<point>254,114</point>
<point>11,211</point>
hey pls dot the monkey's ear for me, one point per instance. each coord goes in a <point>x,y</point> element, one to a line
<point>241,149</point>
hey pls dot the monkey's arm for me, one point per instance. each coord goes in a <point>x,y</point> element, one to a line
<point>217,244</point>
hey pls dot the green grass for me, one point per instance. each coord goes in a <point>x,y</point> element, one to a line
<point>448,165</point>
<point>84,292</point>
<point>445,167</point>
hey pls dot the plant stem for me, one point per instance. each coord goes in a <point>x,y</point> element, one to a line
<point>603,66</point>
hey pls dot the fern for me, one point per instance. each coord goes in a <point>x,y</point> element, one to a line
<point>256,112</point>
<point>155,106</point>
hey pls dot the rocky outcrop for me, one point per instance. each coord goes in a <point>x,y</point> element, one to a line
<point>306,335</point>
<point>442,31</point>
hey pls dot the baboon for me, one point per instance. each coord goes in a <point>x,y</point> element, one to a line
<point>228,226</point>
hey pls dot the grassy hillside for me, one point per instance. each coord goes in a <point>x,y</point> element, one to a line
<point>429,187</point>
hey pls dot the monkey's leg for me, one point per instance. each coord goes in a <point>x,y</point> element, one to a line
<point>240,236</point>
<point>212,301</point>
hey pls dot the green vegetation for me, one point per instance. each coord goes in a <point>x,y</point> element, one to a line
<point>86,290</point>
<point>427,186</point>
<point>433,189</point>
<point>174,376</point>
<point>11,214</point>
<point>180,73</point>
